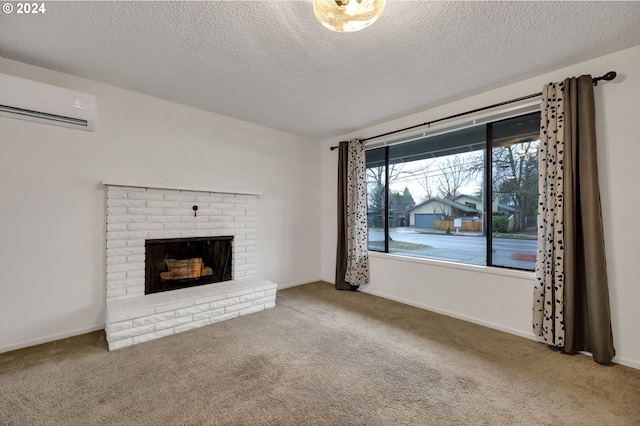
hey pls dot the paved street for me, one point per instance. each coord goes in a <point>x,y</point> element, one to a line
<point>466,248</point>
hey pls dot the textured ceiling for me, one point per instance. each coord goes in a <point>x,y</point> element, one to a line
<point>271,63</point>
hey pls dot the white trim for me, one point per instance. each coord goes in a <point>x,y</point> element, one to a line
<point>161,185</point>
<point>622,361</point>
<point>618,360</point>
<point>491,270</point>
<point>467,318</point>
<point>282,286</point>
<point>51,338</point>
<point>626,361</point>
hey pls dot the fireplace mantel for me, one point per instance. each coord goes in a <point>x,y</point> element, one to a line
<point>160,185</point>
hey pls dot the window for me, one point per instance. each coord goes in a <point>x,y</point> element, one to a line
<point>467,196</point>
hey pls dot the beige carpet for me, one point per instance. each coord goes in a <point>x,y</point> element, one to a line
<point>320,357</point>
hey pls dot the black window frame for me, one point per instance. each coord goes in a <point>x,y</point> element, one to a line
<point>489,144</point>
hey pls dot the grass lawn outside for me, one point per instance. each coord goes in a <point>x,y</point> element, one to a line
<point>401,245</point>
<point>515,236</point>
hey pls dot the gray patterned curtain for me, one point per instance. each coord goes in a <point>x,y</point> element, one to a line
<point>571,295</point>
<point>352,258</point>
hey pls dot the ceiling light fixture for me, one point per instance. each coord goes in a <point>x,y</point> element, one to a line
<point>347,15</point>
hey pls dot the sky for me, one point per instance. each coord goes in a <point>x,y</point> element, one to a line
<point>416,181</point>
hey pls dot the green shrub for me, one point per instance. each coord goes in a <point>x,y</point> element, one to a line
<point>448,230</point>
<point>500,224</point>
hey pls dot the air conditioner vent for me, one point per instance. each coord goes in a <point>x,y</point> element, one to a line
<point>42,115</point>
<point>43,103</point>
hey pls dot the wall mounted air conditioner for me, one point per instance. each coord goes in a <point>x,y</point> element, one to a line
<point>43,103</point>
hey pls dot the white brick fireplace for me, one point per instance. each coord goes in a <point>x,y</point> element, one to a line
<point>139,213</point>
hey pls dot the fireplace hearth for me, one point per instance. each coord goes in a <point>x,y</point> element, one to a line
<point>174,263</point>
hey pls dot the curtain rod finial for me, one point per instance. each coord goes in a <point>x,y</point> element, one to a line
<point>607,77</point>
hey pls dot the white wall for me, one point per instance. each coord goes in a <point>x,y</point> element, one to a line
<point>501,299</point>
<point>52,208</point>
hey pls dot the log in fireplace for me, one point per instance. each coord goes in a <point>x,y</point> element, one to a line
<point>176,263</point>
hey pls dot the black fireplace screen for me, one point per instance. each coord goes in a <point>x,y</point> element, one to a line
<point>176,263</point>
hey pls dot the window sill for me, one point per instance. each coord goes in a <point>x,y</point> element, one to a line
<point>491,270</point>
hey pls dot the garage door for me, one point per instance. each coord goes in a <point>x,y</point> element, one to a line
<point>425,220</point>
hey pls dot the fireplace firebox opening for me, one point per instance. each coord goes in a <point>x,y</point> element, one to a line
<point>176,263</point>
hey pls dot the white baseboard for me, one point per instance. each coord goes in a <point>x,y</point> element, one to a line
<point>50,338</point>
<point>467,318</point>
<point>283,286</point>
<point>627,362</point>
<point>616,359</point>
<point>58,336</point>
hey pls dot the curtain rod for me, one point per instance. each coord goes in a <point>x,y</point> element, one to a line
<point>607,77</point>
